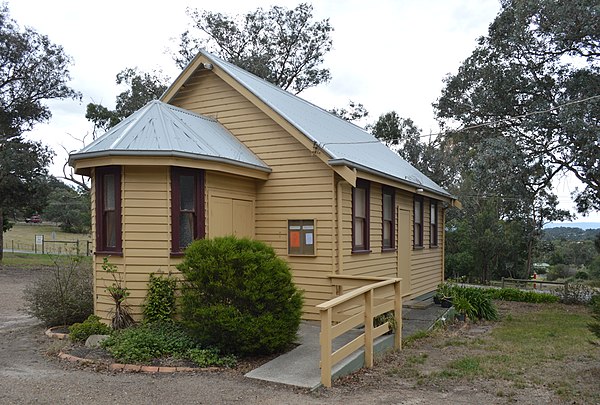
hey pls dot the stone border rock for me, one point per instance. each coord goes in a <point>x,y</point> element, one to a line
<point>131,368</point>
<point>135,368</point>
<point>56,335</point>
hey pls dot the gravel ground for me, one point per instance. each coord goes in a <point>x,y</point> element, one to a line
<point>30,375</point>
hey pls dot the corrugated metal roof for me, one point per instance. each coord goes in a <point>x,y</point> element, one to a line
<point>160,129</point>
<point>346,143</point>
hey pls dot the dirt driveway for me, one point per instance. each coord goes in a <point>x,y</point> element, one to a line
<point>29,375</point>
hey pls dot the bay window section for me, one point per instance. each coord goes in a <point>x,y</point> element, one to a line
<point>388,218</point>
<point>187,202</point>
<point>108,209</point>
<point>360,216</point>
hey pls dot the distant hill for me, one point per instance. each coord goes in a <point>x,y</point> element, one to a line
<point>569,233</point>
<point>580,225</point>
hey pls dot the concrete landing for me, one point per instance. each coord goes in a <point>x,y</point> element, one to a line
<point>300,366</point>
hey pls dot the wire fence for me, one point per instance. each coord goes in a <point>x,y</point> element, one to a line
<point>42,246</point>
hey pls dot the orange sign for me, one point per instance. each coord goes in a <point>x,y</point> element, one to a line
<point>294,239</point>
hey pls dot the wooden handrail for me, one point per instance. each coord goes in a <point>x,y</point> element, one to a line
<point>362,311</point>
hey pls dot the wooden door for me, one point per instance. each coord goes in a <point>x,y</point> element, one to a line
<point>404,249</point>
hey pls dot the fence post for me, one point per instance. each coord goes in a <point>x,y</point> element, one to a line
<point>369,328</point>
<point>12,243</point>
<point>502,282</point>
<point>398,314</point>
<point>325,338</point>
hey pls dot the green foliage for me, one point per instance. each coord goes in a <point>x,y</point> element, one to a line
<point>582,275</point>
<point>143,87</point>
<point>64,294</point>
<point>121,317</point>
<point>69,207</point>
<point>210,357</point>
<point>463,306</point>
<point>33,70</point>
<point>386,317</point>
<point>79,332</point>
<point>238,296</point>
<point>285,47</point>
<point>475,303</point>
<point>536,56</point>
<point>141,344</point>
<point>513,294</point>
<point>160,301</point>
<point>148,341</point>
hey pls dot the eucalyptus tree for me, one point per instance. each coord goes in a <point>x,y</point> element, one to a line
<point>283,46</point>
<point>32,70</point>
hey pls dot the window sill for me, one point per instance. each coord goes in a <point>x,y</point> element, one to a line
<point>434,246</point>
<point>109,253</point>
<point>386,250</point>
<point>361,252</point>
<point>418,247</point>
<point>301,255</point>
<point>177,254</point>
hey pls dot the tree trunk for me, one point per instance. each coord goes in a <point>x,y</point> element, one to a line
<point>1,236</point>
<point>529,256</point>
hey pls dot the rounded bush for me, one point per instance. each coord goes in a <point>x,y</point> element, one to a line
<point>238,296</point>
<point>79,332</point>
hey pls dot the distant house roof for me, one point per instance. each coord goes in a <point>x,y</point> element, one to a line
<point>160,129</point>
<point>345,143</point>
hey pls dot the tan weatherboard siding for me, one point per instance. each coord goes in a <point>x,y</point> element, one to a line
<point>299,187</point>
<point>146,210</point>
<point>426,263</point>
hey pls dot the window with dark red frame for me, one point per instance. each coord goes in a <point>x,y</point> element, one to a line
<point>360,216</point>
<point>187,207</point>
<point>418,222</point>
<point>388,218</point>
<point>108,209</point>
<point>433,224</point>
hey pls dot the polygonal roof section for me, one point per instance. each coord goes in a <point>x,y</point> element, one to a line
<point>160,129</point>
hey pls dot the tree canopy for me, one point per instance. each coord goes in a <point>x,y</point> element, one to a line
<point>32,70</point>
<point>534,83</point>
<point>283,46</point>
<point>142,87</point>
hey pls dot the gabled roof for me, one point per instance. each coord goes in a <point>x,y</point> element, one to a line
<point>160,129</point>
<point>345,143</point>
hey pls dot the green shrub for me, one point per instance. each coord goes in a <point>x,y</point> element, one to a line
<point>79,332</point>
<point>582,275</point>
<point>513,294</point>
<point>160,301</point>
<point>481,305</point>
<point>148,341</point>
<point>210,357</point>
<point>238,296</point>
<point>63,295</point>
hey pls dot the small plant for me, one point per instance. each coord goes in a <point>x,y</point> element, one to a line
<point>464,308</point>
<point>160,301</point>
<point>63,295</point>
<point>386,317</point>
<point>79,332</point>
<point>210,358</point>
<point>121,318</point>
<point>481,303</point>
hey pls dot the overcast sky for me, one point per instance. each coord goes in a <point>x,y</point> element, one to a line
<point>387,54</point>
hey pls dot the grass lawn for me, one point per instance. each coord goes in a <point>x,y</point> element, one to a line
<point>28,260</point>
<point>22,237</point>
<point>544,352</point>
